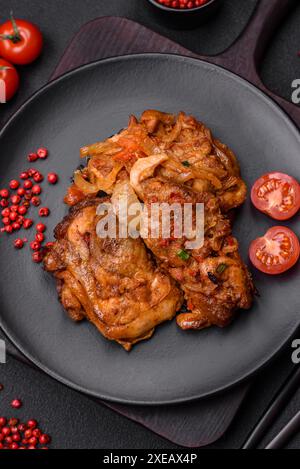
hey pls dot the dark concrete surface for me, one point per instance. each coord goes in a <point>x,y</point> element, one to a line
<point>73,420</point>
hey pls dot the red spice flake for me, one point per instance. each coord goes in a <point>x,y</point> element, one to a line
<point>164,243</point>
<point>193,273</point>
<point>230,241</point>
<point>1,389</point>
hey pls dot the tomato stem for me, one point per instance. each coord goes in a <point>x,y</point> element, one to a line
<point>16,37</point>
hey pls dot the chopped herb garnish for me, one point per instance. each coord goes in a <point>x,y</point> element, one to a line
<point>213,278</point>
<point>186,163</point>
<point>221,268</point>
<point>183,255</point>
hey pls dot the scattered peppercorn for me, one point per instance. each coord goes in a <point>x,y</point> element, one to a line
<point>6,221</point>
<point>39,237</point>
<point>35,245</point>
<point>31,172</point>
<point>44,212</point>
<point>14,184</point>
<point>32,157</point>
<point>27,223</point>
<point>22,210</point>
<point>12,423</point>
<point>21,192</point>
<point>42,153</point>
<point>5,212</point>
<point>27,185</point>
<point>4,193</point>
<point>37,257</point>
<point>16,404</point>
<point>40,227</point>
<point>13,216</point>
<point>36,190</point>
<point>36,201</point>
<point>15,199</point>
<point>24,175</point>
<point>16,226</point>
<point>38,177</point>
<point>19,244</point>
<point>52,178</point>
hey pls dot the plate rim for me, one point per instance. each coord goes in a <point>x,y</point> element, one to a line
<point>102,396</point>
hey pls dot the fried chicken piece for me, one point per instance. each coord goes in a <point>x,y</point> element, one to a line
<point>215,281</point>
<point>113,283</point>
<point>173,159</point>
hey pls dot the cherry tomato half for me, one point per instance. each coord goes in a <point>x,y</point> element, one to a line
<point>21,42</point>
<point>9,80</point>
<point>277,195</point>
<point>276,252</point>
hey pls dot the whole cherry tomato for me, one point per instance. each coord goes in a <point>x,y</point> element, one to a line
<point>21,42</point>
<point>276,252</point>
<point>9,81</point>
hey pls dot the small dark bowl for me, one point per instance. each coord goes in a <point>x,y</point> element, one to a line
<point>188,18</point>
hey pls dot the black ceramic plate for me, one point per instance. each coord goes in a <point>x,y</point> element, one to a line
<point>92,103</point>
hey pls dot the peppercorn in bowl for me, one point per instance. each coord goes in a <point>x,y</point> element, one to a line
<point>185,14</point>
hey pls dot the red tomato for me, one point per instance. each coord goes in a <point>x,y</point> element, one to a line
<point>21,42</point>
<point>276,252</point>
<point>277,195</point>
<point>9,80</point>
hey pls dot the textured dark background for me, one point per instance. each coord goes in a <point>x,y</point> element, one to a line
<point>74,420</point>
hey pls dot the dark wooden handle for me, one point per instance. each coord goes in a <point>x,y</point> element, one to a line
<point>245,55</point>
